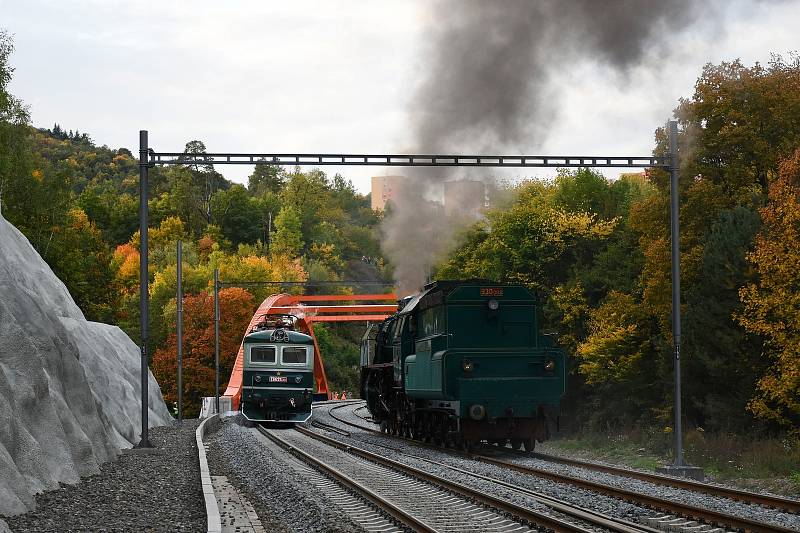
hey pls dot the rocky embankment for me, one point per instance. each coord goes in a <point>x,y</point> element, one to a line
<point>69,388</point>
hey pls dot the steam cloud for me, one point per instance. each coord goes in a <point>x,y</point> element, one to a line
<point>487,88</point>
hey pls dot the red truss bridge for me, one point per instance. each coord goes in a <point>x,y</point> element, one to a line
<point>308,310</point>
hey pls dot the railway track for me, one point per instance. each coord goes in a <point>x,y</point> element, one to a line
<point>592,518</point>
<point>415,504</point>
<point>708,516</point>
<point>774,502</point>
<point>361,512</point>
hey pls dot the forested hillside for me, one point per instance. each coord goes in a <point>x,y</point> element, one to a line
<point>596,251</point>
<point>598,254</point>
<point>77,202</point>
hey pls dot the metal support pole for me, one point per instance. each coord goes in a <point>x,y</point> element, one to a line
<point>144,167</point>
<point>179,301</point>
<point>676,286</point>
<point>216,338</point>
<point>269,231</point>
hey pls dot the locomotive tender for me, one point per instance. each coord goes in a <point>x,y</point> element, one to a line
<point>278,373</point>
<point>461,362</point>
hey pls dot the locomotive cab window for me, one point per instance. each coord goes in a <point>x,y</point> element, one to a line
<point>263,354</point>
<point>294,355</point>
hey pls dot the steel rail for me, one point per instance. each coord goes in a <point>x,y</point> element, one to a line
<point>395,512</point>
<point>593,517</point>
<point>776,502</point>
<point>697,513</point>
<point>654,502</point>
<point>329,427</point>
<point>529,515</point>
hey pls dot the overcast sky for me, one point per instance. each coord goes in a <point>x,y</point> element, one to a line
<point>324,76</point>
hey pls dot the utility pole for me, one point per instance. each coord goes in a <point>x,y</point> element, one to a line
<point>678,467</point>
<point>216,339</point>
<point>144,295</point>
<point>676,285</point>
<point>179,301</point>
<point>269,230</point>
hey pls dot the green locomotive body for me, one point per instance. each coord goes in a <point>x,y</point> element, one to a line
<point>278,374</point>
<point>461,362</point>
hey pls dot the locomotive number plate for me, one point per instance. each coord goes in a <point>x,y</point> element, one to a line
<point>491,291</point>
<point>277,379</point>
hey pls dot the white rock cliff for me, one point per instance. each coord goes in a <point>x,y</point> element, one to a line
<point>69,388</point>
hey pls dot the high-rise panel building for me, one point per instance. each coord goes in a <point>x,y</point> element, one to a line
<point>384,188</point>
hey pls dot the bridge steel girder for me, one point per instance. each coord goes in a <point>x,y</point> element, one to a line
<point>306,316</point>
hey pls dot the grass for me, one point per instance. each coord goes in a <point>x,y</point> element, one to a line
<point>760,464</point>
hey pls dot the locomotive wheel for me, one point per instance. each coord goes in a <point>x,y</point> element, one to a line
<point>530,444</point>
<point>516,444</point>
<point>384,427</point>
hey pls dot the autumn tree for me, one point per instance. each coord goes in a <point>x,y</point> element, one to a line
<point>772,303</point>
<point>616,359</point>
<point>533,242</point>
<point>236,309</point>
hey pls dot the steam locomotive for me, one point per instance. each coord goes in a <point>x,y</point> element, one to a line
<point>462,362</point>
<point>278,373</point>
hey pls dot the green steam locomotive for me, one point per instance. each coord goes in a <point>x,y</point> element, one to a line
<point>462,362</point>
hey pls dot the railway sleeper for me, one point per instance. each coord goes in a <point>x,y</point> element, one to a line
<point>681,525</point>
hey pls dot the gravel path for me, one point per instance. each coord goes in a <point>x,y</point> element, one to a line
<point>566,492</point>
<point>137,492</point>
<point>283,499</point>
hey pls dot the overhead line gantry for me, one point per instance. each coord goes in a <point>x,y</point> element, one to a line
<point>149,158</point>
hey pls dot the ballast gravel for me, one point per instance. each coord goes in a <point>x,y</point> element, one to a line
<point>584,498</point>
<point>138,492</point>
<point>283,500</point>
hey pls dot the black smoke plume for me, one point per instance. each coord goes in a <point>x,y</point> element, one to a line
<point>486,87</point>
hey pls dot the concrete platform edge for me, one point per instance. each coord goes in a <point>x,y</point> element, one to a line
<point>213,519</point>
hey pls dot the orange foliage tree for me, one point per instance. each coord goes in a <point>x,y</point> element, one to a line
<point>772,304</point>
<point>236,307</point>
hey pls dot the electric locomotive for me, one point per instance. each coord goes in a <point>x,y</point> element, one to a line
<point>462,362</point>
<point>278,373</point>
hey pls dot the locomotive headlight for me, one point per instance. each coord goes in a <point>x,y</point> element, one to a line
<point>477,411</point>
<point>298,379</point>
<point>467,366</point>
<point>493,304</point>
<point>549,365</point>
<point>257,379</point>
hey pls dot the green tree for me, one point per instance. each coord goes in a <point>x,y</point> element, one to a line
<point>15,165</point>
<point>288,238</point>
<point>82,260</point>
<point>236,214</point>
<point>205,181</point>
<point>266,178</point>
<point>723,361</point>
